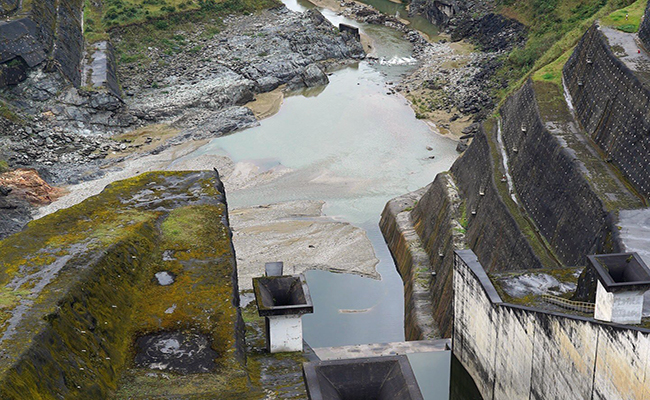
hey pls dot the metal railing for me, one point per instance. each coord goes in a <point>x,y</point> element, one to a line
<point>587,308</point>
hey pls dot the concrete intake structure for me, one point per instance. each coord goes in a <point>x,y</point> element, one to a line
<point>282,300</point>
<point>623,279</point>
<point>381,378</point>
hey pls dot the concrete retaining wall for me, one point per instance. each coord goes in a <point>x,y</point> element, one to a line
<point>433,221</point>
<point>53,28</point>
<point>428,258</point>
<point>514,352</point>
<point>612,105</point>
<point>550,185</point>
<point>492,233</point>
<point>412,263</point>
<point>644,28</point>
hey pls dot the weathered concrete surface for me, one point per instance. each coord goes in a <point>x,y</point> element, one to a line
<point>612,104</point>
<point>635,234</point>
<point>548,180</point>
<point>619,307</point>
<point>413,264</point>
<point>79,285</point>
<point>515,352</point>
<point>382,349</point>
<point>299,235</point>
<point>100,68</point>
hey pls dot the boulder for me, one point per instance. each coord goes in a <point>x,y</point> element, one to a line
<point>314,76</point>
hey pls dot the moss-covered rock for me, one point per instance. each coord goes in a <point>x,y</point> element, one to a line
<point>78,286</point>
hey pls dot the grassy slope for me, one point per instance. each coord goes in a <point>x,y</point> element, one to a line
<point>161,14</point>
<point>555,28</point>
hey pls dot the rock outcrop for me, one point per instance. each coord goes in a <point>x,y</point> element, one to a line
<point>439,12</point>
<point>71,128</point>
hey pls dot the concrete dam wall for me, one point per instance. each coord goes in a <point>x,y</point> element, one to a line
<point>550,185</point>
<point>612,105</point>
<point>48,29</point>
<point>534,191</point>
<point>515,352</point>
<point>492,230</point>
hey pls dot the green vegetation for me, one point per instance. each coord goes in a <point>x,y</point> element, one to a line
<point>630,24</point>
<point>554,29</point>
<point>463,221</point>
<point>8,114</point>
<point>553,72</point>
<point>4,167</point>
<point>162,14</point>
<point>163,32</point>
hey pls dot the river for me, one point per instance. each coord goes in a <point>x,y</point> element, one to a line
<point>355,146</point>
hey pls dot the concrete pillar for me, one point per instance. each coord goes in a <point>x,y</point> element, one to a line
<point>284,333</point>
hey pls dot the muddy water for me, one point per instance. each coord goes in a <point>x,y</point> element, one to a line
<point>355,146</point>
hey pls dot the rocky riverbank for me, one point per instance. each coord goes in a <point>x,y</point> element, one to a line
<point>191,88</point>
<point>197,82</point>
<point>455,84</point>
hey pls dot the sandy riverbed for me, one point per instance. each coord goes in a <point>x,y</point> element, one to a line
<point>295,232</point>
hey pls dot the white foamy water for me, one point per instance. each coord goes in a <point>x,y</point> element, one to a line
<point>396,60</point>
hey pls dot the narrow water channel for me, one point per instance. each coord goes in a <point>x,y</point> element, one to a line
<point>355,146</point>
